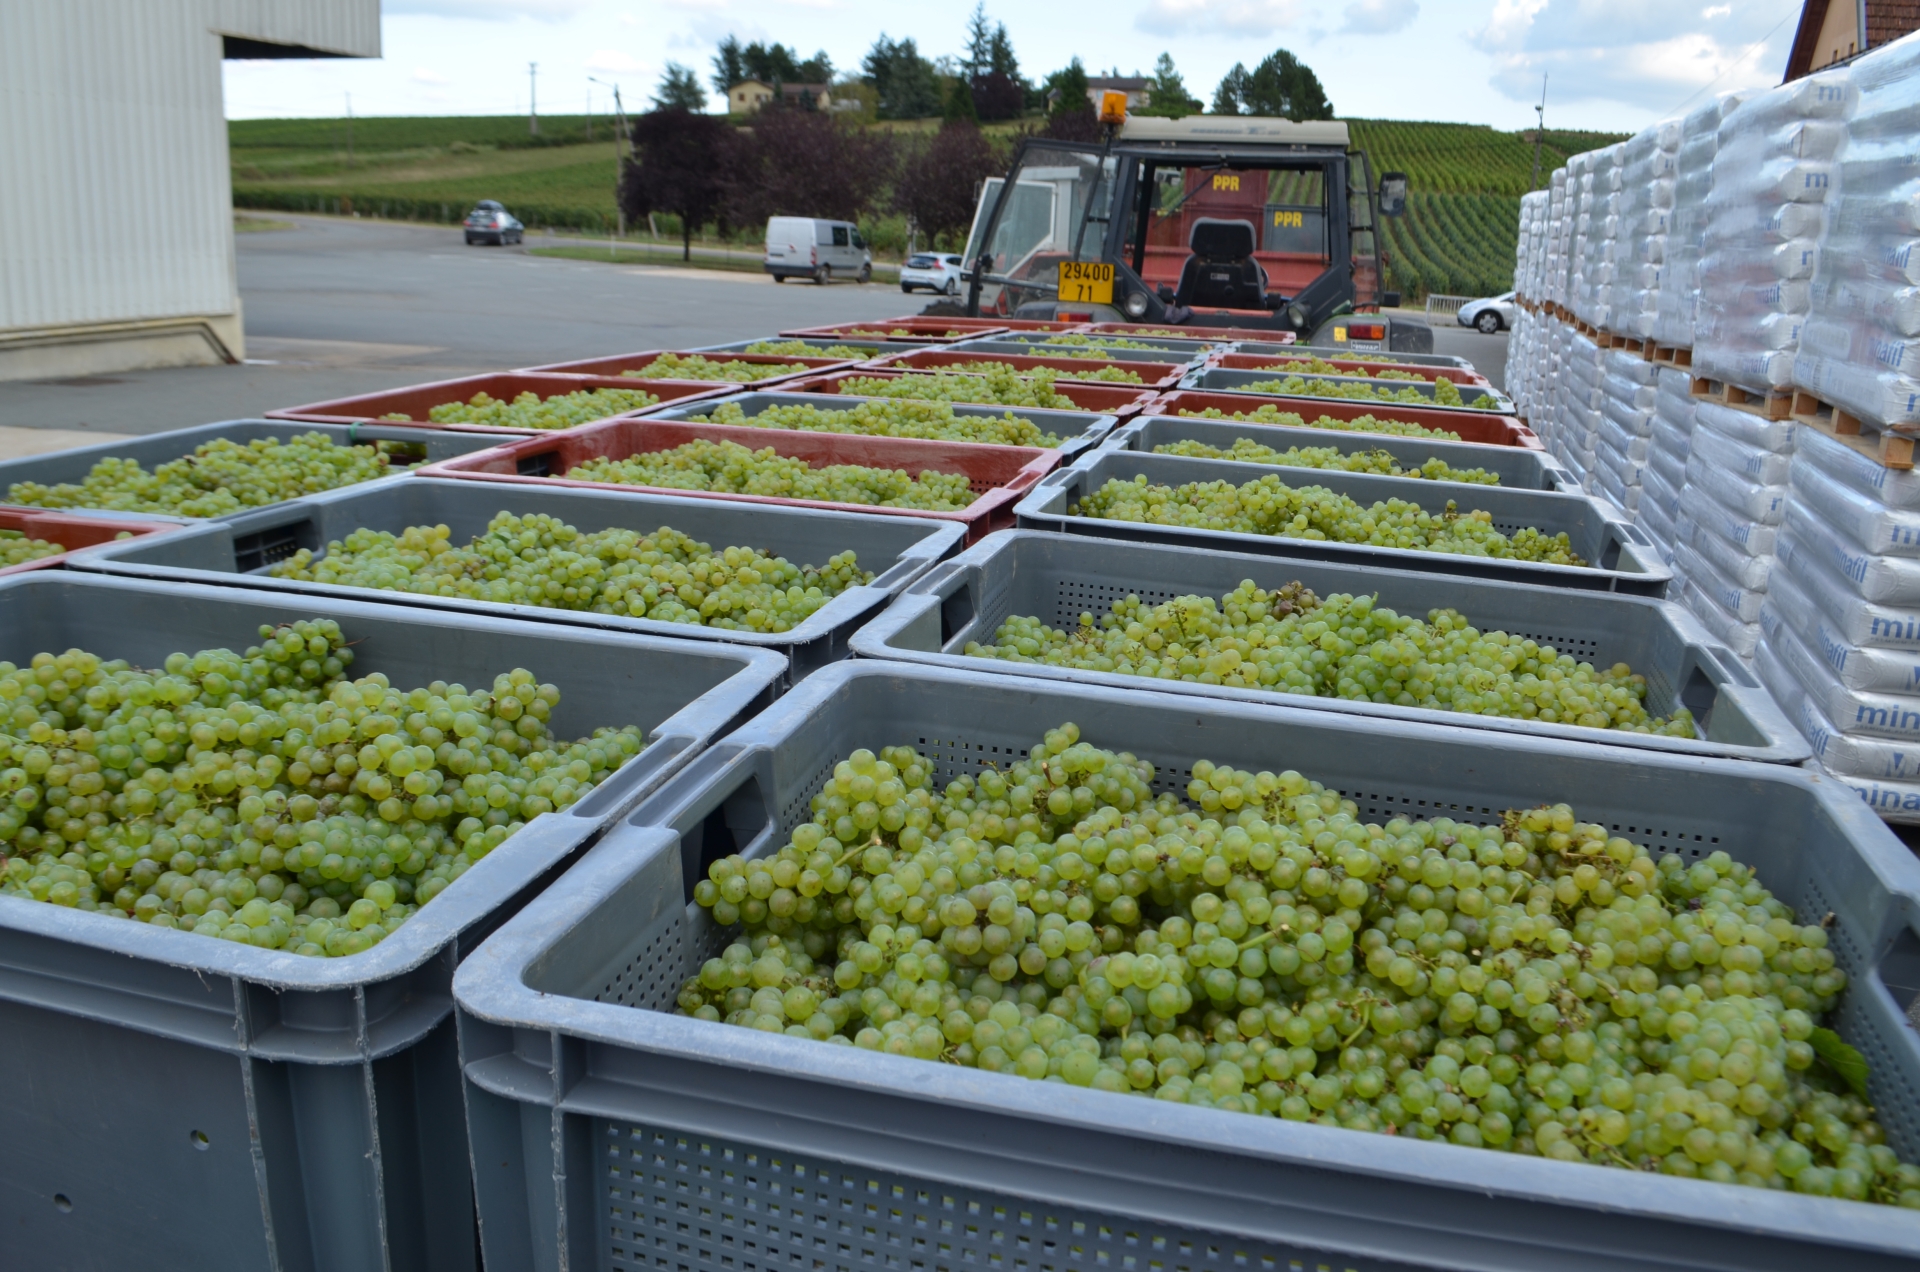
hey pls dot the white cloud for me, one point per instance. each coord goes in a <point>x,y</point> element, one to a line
<point>615,61</point>
<point>1225,17</point>
<point>502,10</point>
<point>628,20</point>
<point>1716,11</point>
<point>1379,17</point>
<point>425,75</point>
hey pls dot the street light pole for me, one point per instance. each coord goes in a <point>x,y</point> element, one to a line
<point>1539,128</point>
<point>533,115</point>
<point>621,138</point>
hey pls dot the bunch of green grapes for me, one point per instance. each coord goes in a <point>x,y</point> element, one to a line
<point>1268,413</point>
<point>801,349</point>
<point>16,548</point>
<point>1314,365</point>
<point>541,560</point>
<point>265,797</point>
<point>995,383</point>
<point>1533,985</point>
<point>1267,505</point>
<point>1248,451</point>
<point>1290,641</point>
<point>731,467</point>
<point>898,332</point>
<point>1444,392</point>
<point>219,477</point>
<point>694,366</point>
<point>1097,342</point>
<point>891,418</point>
<point>529,410</point>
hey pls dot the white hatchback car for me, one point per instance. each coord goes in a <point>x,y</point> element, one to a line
<point>932,271</point>
<point>1495,313</point>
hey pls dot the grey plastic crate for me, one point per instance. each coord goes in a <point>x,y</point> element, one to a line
<point>240,549</point>
<point>1173,351</point>
<point>1079,430</point>
<point>821,343</point>
<point>160,448</point>
<point>1043,342</point>
<point>1346,351</point>
<point>1057,577</point>
<point>1227,380</point>
<point>1624,559</point>
<point>176,1101</point>
<point>609,1134</point>
<point>1517,467</point>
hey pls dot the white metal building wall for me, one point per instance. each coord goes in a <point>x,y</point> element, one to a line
<point>114,182</point>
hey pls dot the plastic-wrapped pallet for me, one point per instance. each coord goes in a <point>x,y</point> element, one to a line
<point>1647,190</point>
<point>1771,174</point>
<point>1560,196</point>
<point>1841,644</point>
<point>1665,473</point>
<point>1728,522</point>
<point>1597,231</point>
<point>1860,351</point>
<point>1622,438</point>
<point>1679,290</point>
<point>1577,424</point>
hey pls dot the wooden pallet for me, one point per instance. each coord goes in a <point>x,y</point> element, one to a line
<point>1889,450</point>
<point>1776,404</point>
<point>1670,355</point>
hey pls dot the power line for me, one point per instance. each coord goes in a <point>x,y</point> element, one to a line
<point>1751,49</point>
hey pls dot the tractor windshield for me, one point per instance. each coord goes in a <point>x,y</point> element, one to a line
<point>1056,209</point>
<point>1281,213</point>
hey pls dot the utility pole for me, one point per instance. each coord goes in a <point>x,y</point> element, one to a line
<point>1539,127</point>
<point>349,130</point>
<point>622,140</point>
<point>533,114</point>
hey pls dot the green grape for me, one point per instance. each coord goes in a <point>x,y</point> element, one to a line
<point>219,477</point>
<point>988,382</point>
<point>1444,392</point>
<point>731,467</point>
<point>874,333</point>
<point>891,418</point>
<point>1247,941</point>
<point>1248,451</point>
<point>529,410</point>
<point>266,797</point>
<point>1268,506</point>
<point>1290,641</point>
<point>693,366</point>
<point>801,349</point>
<point>1094,343</point>
<point>541,560</point>
<point>1268,413</point>
<point>1312,365</point>
<point>17,549</point>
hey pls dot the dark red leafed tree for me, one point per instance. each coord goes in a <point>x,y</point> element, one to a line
<point>679,167</point>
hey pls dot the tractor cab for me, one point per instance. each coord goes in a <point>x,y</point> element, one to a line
<point>1209,221</point>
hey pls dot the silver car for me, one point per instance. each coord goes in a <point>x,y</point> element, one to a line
<point>932,271</point>
<point>1495,313</point>
<point>491,223</point>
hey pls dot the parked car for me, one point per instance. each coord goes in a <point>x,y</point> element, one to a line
<point>807,247</point>
<point>932,271</point>
<point>491,223</point>
<point>1495,313</point>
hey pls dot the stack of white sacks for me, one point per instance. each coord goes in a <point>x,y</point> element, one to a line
<point>1665,473</point>
<point>1860,351</point>
<point>1772,169</point>
<point>1621,435</point>
<point>1679,291</point>
<point>1728,519</point>
<point>1577,424</point>
<point>1841,654</point>
<point>1596,228</point>
<point>1524,345</point>
<point>1647,194</point>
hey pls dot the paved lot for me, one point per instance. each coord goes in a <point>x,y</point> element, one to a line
<point>335,307</point>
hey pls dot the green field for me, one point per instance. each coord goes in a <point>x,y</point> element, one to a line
<point>1457,237</point>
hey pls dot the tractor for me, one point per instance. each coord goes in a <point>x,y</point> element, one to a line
<point>1212,221</point>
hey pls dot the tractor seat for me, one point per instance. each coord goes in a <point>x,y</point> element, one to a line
<point>1222,272</point>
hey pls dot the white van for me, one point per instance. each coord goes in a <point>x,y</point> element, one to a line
<point>806,247</point>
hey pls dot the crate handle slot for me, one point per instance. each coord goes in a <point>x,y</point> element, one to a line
<point>257,551</point>
<point>540,465</point>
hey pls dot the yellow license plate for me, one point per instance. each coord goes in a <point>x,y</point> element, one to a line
<point>1086,282</point>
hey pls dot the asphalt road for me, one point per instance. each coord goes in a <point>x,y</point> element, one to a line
<point>335,307</point>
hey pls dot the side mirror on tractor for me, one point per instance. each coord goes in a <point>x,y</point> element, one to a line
<point>1393,194</point>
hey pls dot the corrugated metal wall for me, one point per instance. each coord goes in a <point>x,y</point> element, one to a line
<point>115,202</point>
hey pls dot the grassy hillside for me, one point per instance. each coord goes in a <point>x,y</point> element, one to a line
<point>1457,237</point>
<point>1463,206</point>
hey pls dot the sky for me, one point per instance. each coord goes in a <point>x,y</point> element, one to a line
<point>1616,65</point>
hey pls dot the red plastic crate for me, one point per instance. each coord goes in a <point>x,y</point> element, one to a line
<point>918,329</point>
<point>1152,374</point>
<point>1122,400</point>
<point>1483,427</point>
<point>416,400</point>
<point>1277,362</point>
<point>620,363</point>
<point>70,532</point>
<point>998,475</point>
<point>1148,331</point>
